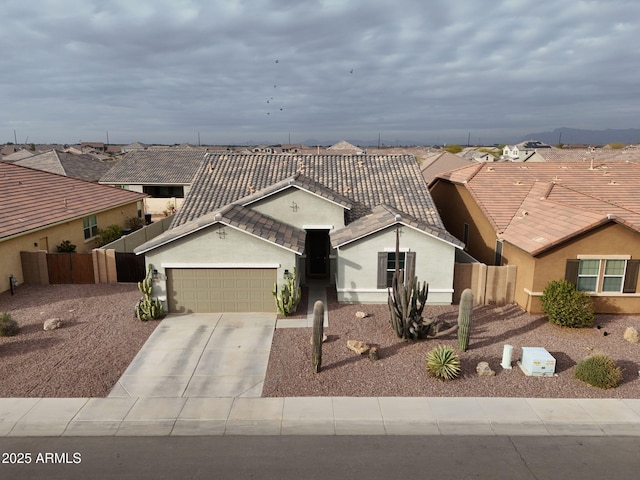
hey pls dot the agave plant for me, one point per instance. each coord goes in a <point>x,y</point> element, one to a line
<point>443,362</point>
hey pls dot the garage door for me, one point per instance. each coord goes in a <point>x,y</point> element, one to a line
<point>201,290</point>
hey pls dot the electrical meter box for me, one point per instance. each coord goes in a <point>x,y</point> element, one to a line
<point>536,361</point>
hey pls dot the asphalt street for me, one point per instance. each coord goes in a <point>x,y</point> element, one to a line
<point>321,457</point>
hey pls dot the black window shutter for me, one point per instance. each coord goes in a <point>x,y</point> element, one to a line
<point>571,271</point>
<point>631,276</point>
<point>382,270</point>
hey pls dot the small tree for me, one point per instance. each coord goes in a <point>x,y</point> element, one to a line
<point>109,234</point>
<point>566,306</point>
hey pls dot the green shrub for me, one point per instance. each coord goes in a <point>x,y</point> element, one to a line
<point>109,234</point>
<point>566,306</point>
<point>134,223</point>
<point>599,371</point>
<point>66,247</point>
<point>8,326</point>
<point>443,363</point>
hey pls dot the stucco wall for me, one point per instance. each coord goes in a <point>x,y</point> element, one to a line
<point>457,207</point>
<point>49,238</point>
<point>206,249</point>
<point>357,266</point>
<point>611,239</point>
<point>309,209</point>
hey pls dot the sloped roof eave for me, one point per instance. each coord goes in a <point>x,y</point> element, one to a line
<point>452,241</point>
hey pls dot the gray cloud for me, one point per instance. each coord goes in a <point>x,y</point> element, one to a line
<point>162,71</point>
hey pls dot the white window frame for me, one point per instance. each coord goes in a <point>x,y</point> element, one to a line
<point>91,228</point>
<point>596,276</point>
<point>621,277</point>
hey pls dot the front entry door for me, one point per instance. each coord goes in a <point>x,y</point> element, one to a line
<point>318,253</point>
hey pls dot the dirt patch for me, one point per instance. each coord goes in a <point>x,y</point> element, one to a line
<point>400,370</point>
<point>86,356</point>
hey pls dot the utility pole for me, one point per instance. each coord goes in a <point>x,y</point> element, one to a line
<point>107,137</point>
<point>15,138</point>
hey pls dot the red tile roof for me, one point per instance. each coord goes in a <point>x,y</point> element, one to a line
<point>537,206</point>
<point>33,199</point>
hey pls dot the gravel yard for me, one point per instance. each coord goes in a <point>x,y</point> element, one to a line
<point>101,336</point>
<point>400,370</point>
<point>86,356</point>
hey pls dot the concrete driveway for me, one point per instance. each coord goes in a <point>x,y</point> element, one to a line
<point>202,355</point>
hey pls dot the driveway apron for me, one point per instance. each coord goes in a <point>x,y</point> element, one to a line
<point>202,355</point>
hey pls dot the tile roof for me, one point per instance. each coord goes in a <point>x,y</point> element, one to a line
<point>441,162</point>
<point>536,206</point>
<point>302,182</point>
<point>33,199</point>
<point>84,167</point>
<point>240,217</point>
<point>381,217</point>
<point>363,180</point>
<point>156,167</point>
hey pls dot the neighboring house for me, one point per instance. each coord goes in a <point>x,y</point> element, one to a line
<point>345,148</point>
<point>251,220</point>
<point>134,146</point>
<point>84,167</point>
<point>17,155</point>
<point>165,175</point>
<point>554,220</point>
<point>42,209</point>
<point>441,162</point>
<point>525,151</point>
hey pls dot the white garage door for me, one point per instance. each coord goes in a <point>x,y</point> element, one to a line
<point>201,290</point>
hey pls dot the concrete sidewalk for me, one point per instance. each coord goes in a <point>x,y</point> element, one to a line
<point>157,416</point>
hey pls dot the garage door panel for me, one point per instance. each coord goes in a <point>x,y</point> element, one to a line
<point>221,290</point>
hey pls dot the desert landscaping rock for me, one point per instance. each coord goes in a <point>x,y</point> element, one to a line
<point>631,335</point>
<point>401,368</point>
<point>484,370</point>
<point>357,346</point>
<point>52,324</point>
<point>361,314</point>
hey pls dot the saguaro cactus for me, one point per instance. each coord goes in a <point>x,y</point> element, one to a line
<point>316,339</point>
<point>406,300</point>
<point>464,319</point>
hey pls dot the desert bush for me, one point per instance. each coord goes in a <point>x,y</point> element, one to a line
<point>566,306</point>
<point>134,223</point>
<point>109,234</point>
<point>599,371</point>
<point>66,247</point>
<point>8,326</point>
<point>443,362</point>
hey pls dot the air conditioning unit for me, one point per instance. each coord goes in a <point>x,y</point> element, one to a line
<point>537,362</point>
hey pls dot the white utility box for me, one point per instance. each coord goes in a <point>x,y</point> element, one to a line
<point>537,362</point>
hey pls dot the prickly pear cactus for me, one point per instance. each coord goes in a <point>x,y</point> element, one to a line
<point>316,339</point>
<point>464,319</point>
<point>148,308</point>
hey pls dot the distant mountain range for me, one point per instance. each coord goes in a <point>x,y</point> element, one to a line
<point>569,136</point>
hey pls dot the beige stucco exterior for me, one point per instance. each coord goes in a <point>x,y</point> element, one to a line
<point>457,206</point>
<point>356,278</point>
<point>48,238</point>
<point>609,241</point>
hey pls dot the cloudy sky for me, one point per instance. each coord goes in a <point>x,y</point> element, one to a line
<point>274,71</point>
